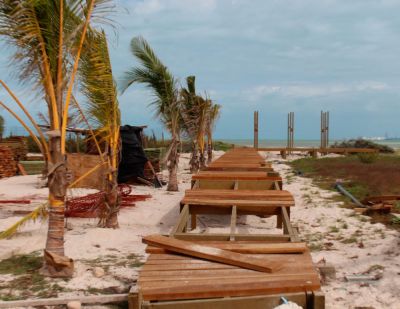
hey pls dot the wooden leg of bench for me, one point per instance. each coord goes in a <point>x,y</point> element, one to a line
<point>193,221</point>
<point>279,220</point>
<point>233,223</point>
<point>318,300</point>
<point>134,298</point>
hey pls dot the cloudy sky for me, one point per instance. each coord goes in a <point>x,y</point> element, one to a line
<point>274,56</point>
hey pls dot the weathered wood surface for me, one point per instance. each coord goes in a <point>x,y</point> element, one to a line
<point>258,195</point>
<point>303,299</point>
<point>237,202</point>
<point>246,247</point>
<point>170,276</point>
<point>98,299</point>
<point>210,253</point>
<point>227,175</point>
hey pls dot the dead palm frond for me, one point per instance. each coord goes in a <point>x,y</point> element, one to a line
<point>39,213</point>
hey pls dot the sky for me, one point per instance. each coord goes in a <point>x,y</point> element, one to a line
<point>274,56</point>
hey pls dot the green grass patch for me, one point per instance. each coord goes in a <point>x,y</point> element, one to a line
<point>21,264</point>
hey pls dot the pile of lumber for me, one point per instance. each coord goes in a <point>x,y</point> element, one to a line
<point>8,166</point>
<point>19,146</point>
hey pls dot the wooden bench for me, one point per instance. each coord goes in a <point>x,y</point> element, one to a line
<point>237,202</point>
<point>170,280</point>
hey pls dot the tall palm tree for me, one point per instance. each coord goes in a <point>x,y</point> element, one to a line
<point>213,115</point>
<point>156,76</point>
<point>49,36</point>
<point>102,108</point>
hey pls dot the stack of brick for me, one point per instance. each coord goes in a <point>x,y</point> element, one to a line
<point>19,146</point>
<point>8,166</point>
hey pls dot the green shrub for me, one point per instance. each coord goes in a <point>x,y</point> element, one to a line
<point>362,143</point>
<point>367,158</point>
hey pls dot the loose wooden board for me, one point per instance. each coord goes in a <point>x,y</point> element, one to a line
<point>210,253</point>
<point>249,248</point>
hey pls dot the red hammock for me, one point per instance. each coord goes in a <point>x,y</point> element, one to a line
<point>89,206</point>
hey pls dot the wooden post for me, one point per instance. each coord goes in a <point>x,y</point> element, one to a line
<point>256,129</point>
<point>290,134</point>
<point>324,131</point>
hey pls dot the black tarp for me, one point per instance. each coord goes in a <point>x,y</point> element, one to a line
<point>133,158</point>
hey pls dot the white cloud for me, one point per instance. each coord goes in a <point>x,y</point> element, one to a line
<point>305,90</point>
<point>147,7</point>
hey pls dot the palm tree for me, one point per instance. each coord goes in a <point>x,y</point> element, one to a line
<point>102,107</point>
<point>194,109</point>
<point>156,76</point>
<point>49,37</point>
<point>213,115</point>
<point>189,106</point>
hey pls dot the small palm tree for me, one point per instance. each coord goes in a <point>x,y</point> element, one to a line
<point>49,37</point>
<point>212,116</point>
<point>102,108</point>
<point>194,109</point>
<point>189,112</point>
<point>156,76</point>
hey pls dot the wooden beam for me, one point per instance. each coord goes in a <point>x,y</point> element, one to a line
<point>224,236</point>
<point>98,299</point>
<point>247,247</point>
<point>211,254</point>
<point>287,226</point>
<point>233,223</point>
<point>182,221</point>
<point>253,302</point>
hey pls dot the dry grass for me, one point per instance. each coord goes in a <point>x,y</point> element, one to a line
<point>362,179</point>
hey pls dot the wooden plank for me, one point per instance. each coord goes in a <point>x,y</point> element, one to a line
<point>210,253</point>
<point>233,223</point>
<point>188,290</point>
<point>222,236</point>
<point>241,194</point>
<point>287,225</point>
<point>237,202</point>
<point>100,299</point>
<point>250,248</point>
<point>182,221</point>
<point>253,302</point>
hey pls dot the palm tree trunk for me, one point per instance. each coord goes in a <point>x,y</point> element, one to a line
<point>56,264</point>
<point>209,150</point>
<point>194,159</point>
<point>173,159</point>
<point>202,159</point>
<point>111,204</point>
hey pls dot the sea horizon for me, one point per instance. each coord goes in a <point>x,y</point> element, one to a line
<point>395,144</point>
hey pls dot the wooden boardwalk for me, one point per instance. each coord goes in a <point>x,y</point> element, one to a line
<point>190,269</point>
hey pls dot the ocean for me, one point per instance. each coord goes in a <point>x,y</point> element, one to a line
<point>395,144</point>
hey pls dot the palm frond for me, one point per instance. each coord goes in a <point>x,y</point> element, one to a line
<point>39,213</point>
<point>155,76</point>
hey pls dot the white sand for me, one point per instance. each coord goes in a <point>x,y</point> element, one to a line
<point>315,215</point>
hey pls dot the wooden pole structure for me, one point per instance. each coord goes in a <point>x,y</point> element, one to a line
<point>324,130</point>
<point>256,129</point>
<point>327,130</point>
<point>290,134</point>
